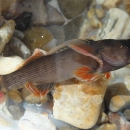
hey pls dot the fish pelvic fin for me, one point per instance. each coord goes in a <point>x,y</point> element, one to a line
<point>40,90</point>
<point>85,74</point>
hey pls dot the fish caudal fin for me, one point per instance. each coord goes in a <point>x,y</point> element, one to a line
<point>39,90</point>
<point>84,74</point>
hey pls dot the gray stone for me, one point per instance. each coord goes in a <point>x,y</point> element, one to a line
<point>72,8</point>
<point>19,48</point>
<point>18,34</point>
<point>126,114</point>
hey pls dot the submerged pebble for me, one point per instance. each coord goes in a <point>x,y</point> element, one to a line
<point>19,48</point>
<point>127,6</point>
<point>126,114</point>
<point>18,34</point>
<point>37,37</point>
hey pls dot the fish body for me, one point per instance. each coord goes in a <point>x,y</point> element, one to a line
<point>82,59</point>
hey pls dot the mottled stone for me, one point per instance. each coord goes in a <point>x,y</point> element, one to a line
<point>126,114</point>
<point>54,17</point>
<point>6,32</point>
<point>35,121</point>
<point>114,24</point>
<point>111,4</point>
<point>18,34</point>
<point>71,29</point>
<point>119,121</point>
<point>37,37</point>
<point>58,33</point>
<point>126,32</point>
<point>117,97</point>
<point>80,97</point>
<point>19,48</point>
<point>9,64</point>
<point>15,96</point>
<point>127,6</point>
<point>72,8</point>
<point>93,17</point>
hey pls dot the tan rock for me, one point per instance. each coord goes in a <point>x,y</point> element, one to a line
<point>100,13</point>
<point>6,32</point>
<point>111,4</point>
<point>127,6</point>
<point>78,103</point>
<point>102,118</point>
<point>100,2</point>
<point>127,81</point>
<point>117,97</point>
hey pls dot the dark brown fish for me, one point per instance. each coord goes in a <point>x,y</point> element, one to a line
<point>84,60</point>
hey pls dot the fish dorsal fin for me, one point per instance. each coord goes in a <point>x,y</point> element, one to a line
<point>36,54</point>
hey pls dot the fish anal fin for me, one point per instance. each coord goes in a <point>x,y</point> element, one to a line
<point>85,74</point>
<point>36,54</point>
<point>40,90</point>
<point>107,75</point>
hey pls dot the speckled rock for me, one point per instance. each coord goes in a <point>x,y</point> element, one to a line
<point>35,121</point>
<point>113,24</point>
<point>37,37</point>
<point>127,6</point>
<point>93,17</point>
<point>54,17</point>
<point>117,97</point>
<point>72,8</point>
<point>58,33</point>
<point>80,97</point>
<point>111,4</point>
<point>119,121</point>
<point>19,48</point>
<point>6,32</point>
<point>71,29</point>
<point>126,113</point>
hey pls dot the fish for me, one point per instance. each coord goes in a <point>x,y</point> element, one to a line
<point>84,60</point>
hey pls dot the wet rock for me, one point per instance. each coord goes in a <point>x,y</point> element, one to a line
<point>100,13</point>
<point>33,99</point>
<point>19,48</point>
<point>127,6</point>
<point>23,21</point>
<point>108,4</point>
<point>72,8</point>
<point>6,32</point>
<point>17,111</point>
<point>35,121</point>
<point>37,37</point>
<point>68,128</point>
<point>71,29</point>
<point>84,98</point>
<point>58,33</point>
<point>102,118</point>
<point>126,33</point>
<point>15,96</point>
<point>113,24</point>
<point>92,16</point>
<point>119,121</point>
<point>117,97</point>
<point>18,34</point>
<point>126,114</point>
<point>54,17</point>
<point>9,64</point>
<point>127,81</point>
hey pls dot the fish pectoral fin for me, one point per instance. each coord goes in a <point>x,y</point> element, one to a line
<point>85,74</point>
<point>40,90</point>
<point>36,54</point>
<point>107,75</point>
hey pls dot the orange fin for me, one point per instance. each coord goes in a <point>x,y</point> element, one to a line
<point>84,74</point>
<point>39,90</point>
<point>107,75</point>
<point>36,54</point>
<point>87,51</point>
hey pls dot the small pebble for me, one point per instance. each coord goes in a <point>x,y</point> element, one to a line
<point>18,34</point>
<point>126,114</point>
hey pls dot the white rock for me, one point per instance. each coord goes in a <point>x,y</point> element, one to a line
<point>126,31</point>
<point>35,121</point>
<point>127,81</point>
<point>100,2</point>
<point>79,103</point>
<point>9,64</point>
<point>115,22</point>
